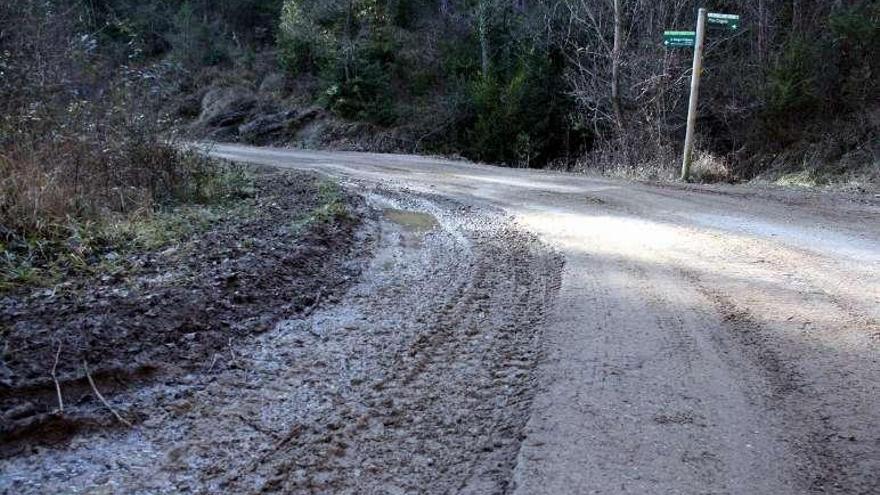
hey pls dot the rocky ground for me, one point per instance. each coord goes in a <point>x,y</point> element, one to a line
<point>240,114</point>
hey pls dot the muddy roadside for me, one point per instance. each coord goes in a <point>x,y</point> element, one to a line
<point>399,357</point>
<point>162,314</point>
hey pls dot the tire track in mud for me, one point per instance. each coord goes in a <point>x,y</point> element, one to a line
<point>158,315</point>
<point>450,393</point>
<point>417,380</point>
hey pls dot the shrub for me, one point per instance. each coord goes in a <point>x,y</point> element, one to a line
<point>521,119</point>
<point>128,169</point>
<point>856,43</point>
<point>353,53</point>
<point>359,82</point>
<point>65,195</point>
<point>791,83</point>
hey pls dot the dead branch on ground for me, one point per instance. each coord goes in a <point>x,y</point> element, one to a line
<point>55,379</point>
<point>101,397</point>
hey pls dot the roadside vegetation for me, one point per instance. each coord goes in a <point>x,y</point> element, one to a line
<point>89,168</point>
<point>75,200</point>
<point>76,203</point>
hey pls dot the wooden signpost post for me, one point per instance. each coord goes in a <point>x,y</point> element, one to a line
<point>695,92</point>
<point>696,39</point>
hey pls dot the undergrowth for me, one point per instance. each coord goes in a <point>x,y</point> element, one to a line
<point>331,208</point>
<point>47,247</point>
<point>332,202</point>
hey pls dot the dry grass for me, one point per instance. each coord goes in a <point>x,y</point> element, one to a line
<point>710,168</point>
<point>87,162</point>
<point>71,193</point>
<point>48,183</point>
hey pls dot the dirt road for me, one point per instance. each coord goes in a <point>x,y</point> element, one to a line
<point>703,340</point>
<point>483,330</point>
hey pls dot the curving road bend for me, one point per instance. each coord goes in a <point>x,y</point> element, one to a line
<point>703,340</point>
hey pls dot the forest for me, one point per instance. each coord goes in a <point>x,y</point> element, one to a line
<point>581,84</point>
<point>439,247</point>
<point>92,92</point>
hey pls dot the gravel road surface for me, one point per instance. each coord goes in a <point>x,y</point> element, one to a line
<point>703,339</point>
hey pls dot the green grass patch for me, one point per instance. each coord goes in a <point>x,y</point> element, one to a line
<point>331,208</point>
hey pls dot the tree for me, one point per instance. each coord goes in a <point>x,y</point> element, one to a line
<point>615,64</point>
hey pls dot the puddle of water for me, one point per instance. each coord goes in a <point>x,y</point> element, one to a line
<point>412,221</point>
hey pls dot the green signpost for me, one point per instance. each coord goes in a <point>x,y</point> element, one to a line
<point>676,39</point>
<point>730,21</point>
<point>696,40</point>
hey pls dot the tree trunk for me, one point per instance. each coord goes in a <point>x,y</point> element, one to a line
<point>483,29</point>
<point>349,41</point>
<point>615,65</point>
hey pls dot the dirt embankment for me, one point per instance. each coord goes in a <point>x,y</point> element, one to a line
<point>238,114</point>
<point>169,313</point>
